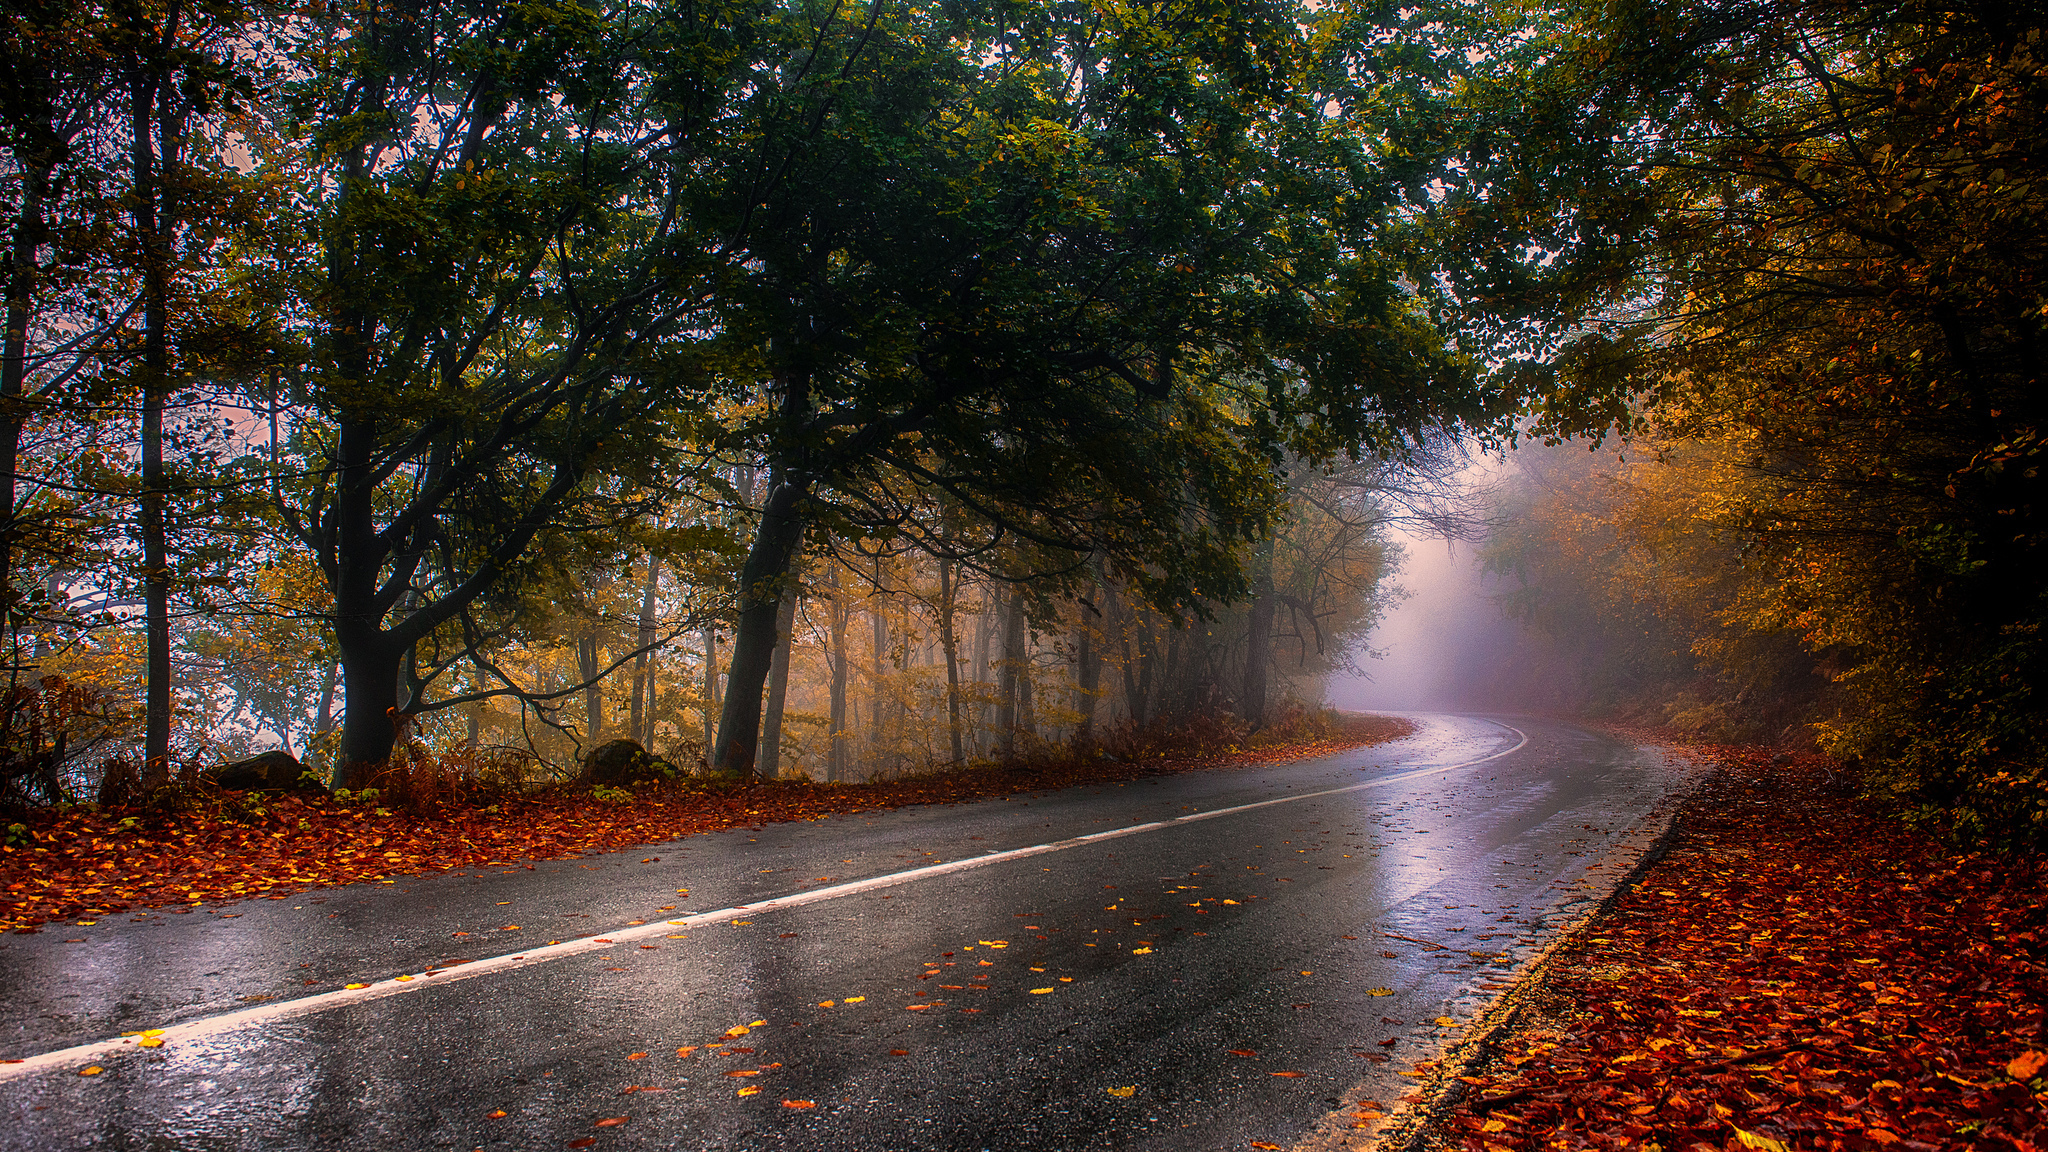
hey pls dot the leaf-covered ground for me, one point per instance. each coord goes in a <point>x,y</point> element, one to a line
<point>84,862</point>
<point>1793,974</point>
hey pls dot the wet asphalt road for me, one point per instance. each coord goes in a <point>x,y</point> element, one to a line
<point>1097,997</point>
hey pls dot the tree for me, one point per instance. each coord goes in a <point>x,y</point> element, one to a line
<point>1083,272</point>
<point>1804,239</point>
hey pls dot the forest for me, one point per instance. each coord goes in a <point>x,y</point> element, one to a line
<point>809,390</point>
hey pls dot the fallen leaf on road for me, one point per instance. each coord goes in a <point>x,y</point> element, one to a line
<point>91,1070</point>
<point>748,1091</point>
<point>854,999</point>
<point>150,1042</point>
<point>686,1051</point>
<point>1766,1144</point>
<point>1446,1021</point>
<point>826,1003</point>
<point>610,1122</point>
<point>1040,991</point>
<point>1242,1052</point>
<point>355,985</point>
<point>583,1142</point>
<point>1263,1144</point>
<point>1123,1091</point>
<point>495,1114</point>
<point>1379,991</point>
<point>637,1056</point>
<point>1288,1075</point>
<point>915,1007</point>
<point>744,1072</point>
<point>899,1052</point>
<point>1139,951</point>
<point>799,1104</point>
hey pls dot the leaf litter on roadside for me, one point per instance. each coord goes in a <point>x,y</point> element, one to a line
<point>1794,973</point>
<point>88,861</point>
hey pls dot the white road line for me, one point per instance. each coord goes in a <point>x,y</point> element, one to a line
<point>66,1058</point>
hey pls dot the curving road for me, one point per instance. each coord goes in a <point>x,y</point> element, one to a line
<point>1191,962</point>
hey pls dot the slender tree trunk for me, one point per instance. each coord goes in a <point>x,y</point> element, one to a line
<point>475,715</point>
<point>946,641</point>
<point>776,540</point>
<point>323,721</point>
<point>1087,675</point>
<point>1006,684</point>
<point>836,755</point>
<point>769,760</point>
<point>156,130</point>
<point>984,627</point>
<point>1124,621</point>
<point>1258,647</point>
<point>593,694</point>
<point>878,620</point>
<point>710,692</point>
<point>640,720</point>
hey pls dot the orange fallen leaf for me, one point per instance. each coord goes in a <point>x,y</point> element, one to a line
<point>91,1070</point>
<point>637,1056</point>
<point>799,1104</point>
<point>1123,1092</point>
<point>1288,1075</point>
<point>686,1051</point>
<point>1263,1144</point>
<point>610,1122</point>
<point>2026,1065</point>
<point>915,1007</point>
<point>495,1114</point>
<point>744,1072</point>
<point>1242,1052</point>
<point>748,1091</point>
<point>899,1052</point>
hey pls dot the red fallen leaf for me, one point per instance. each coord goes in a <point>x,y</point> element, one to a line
<point>1288,1075</point>
<point>788,936</point>
<point>899,1051</point>
<point>1350,937</point>
<point>610,1122</point>
<point>1242,1052</point>
<point>582,1142</point>
<point>799,1104</point>
<point>601,941</point>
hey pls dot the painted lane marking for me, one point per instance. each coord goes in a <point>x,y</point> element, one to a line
<point>64,1058</point>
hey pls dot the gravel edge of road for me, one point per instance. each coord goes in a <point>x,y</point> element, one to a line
<point>1413,1125</point>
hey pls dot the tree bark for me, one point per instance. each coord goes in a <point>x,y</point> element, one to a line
<point>836,754</point>
<point>1087,676</point>
<point>769,759</point>
<point>878,619</point>
<point>984,626</point>
<point>710,707</point>
<point>593,694</point>
<point>1006,684</point>
<point>156,129</point>
<point>762,578</point>
<point>1258,647</point>
<point>946,641</point>
<point>640,718</point>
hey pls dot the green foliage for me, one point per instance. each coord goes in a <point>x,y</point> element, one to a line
<point>605,794</point>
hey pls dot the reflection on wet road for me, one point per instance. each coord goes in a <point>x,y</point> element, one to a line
<point>1190,983</point>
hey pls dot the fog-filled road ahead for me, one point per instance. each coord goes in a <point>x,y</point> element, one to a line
<point>1139,990</point>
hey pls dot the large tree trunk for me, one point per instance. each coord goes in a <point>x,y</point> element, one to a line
<point>770,757</point>
<point>947,588</point>
<point>640,719</point>
<point>1006,683</point>
<point>1258,647</point>
<point>30,231</point>
<point>762,578</point>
